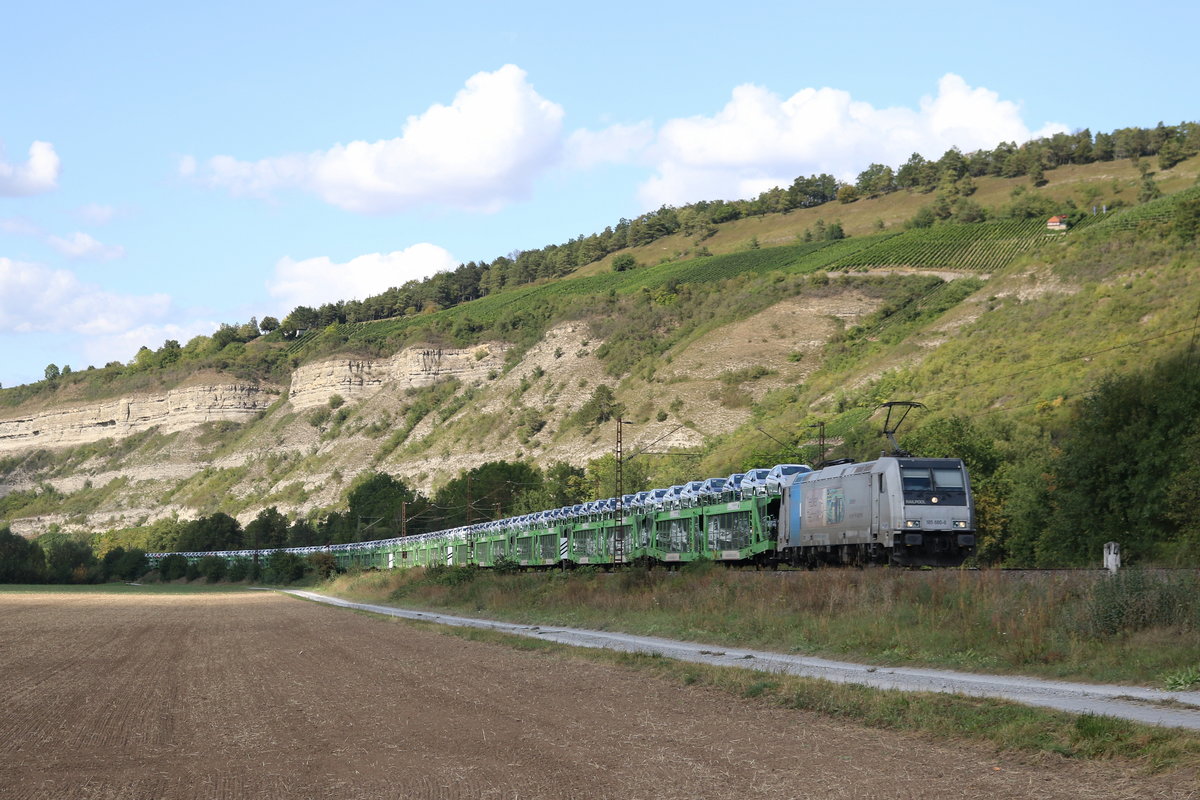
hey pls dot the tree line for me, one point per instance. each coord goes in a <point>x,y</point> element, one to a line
<point>61,558</point>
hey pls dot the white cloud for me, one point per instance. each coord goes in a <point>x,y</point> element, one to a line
<point>38,174</point>
<point>615,144</point>
<point>36,298</point>
<point>480,152</point>
<point>760,140</point>
<point>314,281</point>
<point>78,245</point>
<point>82,246</point>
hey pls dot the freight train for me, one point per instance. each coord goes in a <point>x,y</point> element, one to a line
<point>897,510</point>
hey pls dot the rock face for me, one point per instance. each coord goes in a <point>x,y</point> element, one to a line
<point>314,384</point>
<point>174,410</point>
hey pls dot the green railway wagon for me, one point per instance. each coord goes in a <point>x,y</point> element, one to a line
<point>678,535</point>
<point>360,559</point>
<point>591,543</point>
<point>582,543</point>
<point>738,531</point>
<point>523,548</point>
<point>547,544</point>
<point>623,535</point>
<point>434,552</point>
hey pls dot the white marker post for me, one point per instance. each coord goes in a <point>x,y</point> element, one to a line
<point>1112,557</point>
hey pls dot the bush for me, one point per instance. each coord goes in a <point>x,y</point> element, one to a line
<point>132,565</point>
<point>238,569</point>
<point>623,262</point>
<point>451,576</point>
<point>283,568</point>
<point>506,566</point>
<point>212,568</point>
<point>323,564</point>
<point>172,567</point>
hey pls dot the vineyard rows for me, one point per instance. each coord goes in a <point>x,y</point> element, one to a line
<point>983,247</point>
<point>1155,211</point>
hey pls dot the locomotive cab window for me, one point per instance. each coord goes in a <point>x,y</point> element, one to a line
<point>948,479</point>
<point>933,483</point>
<point>916,480</point>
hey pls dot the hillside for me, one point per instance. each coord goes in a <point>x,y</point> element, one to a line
<point>730,358</point>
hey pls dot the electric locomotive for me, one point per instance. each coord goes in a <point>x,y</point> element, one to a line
<point>900,510</point>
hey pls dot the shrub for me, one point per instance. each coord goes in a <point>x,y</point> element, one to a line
<point>446,575</point>
<point>172,567</point>
<point>212,568</point>
<point>238,569</point>
<point>323,564</point>
<point>623,262</point>
<point>283,568</point>
<point>506,566</point>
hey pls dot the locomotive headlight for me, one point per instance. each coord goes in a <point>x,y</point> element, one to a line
<point>933,499</point>
<point>912,523</point>
<point>960,523</point>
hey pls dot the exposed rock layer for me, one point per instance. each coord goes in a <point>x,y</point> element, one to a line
<point>314,384</point>
<point>173,410</point>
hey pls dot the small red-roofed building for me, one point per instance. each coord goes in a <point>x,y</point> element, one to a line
<point>1057,222</point>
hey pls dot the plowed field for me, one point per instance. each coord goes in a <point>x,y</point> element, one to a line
<point>255,695</point>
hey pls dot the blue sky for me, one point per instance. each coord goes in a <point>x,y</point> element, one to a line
<point>165,168</point>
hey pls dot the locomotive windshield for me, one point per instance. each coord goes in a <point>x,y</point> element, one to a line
<point>933,482</point>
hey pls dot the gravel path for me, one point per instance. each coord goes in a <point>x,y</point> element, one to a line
<point>1150,706</point>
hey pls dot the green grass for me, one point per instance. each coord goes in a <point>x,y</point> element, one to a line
<point>1065,626</point>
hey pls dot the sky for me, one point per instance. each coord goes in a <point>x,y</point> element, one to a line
<point>168,167</point>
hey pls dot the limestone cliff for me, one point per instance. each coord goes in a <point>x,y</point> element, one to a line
<point>173,410</point>
<point>314,384</point>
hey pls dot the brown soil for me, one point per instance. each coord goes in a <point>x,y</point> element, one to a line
<point>255,695</point>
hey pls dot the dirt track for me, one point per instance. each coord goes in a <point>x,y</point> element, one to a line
<point>257,695</point>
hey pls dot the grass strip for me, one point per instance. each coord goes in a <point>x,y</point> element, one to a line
<point>1140,629</point>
